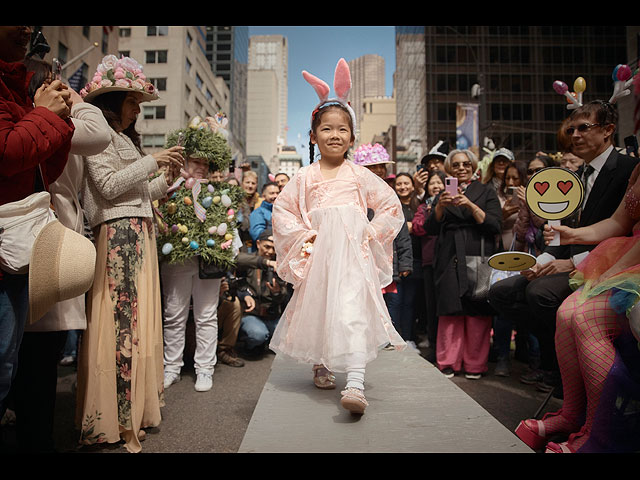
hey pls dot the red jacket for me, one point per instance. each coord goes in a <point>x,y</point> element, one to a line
<point>28,136</point>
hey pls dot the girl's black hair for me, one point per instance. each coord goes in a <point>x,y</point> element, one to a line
<point>41,70</point>
<point>110,104</point>
<point>316,120</point>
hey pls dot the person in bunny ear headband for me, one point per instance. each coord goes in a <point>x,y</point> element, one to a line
<point>324,243</point>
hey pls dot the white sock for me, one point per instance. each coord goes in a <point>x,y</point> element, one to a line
<point>355,378</point>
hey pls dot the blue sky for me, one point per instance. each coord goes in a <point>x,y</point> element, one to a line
<point>317,49</point>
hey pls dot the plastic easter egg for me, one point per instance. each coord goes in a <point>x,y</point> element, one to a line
<point>579,85</point>
<point>226,201</point>
<point>210,242</point>
<point>216,199</point>
<point>166,248</point>
<point>614,75</point>
<point>190,182</point>
<point>174,229</point>
<point>195,121</point>
<point>193,245</point>
<point>222,229</point>
<point>231,212</point>
<point>207,201</point>
<point>171,208</point>
<point>560,87</point>
<point>574,95</point>
<point>624,73</point>
<point>188,201</point>
<point>185,240</point>
<point>173,195</point>
<point>213,230</point>
<point>183,228</point>
<point>228,236</point>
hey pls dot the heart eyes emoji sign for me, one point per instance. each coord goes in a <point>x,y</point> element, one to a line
<point>554,193</point>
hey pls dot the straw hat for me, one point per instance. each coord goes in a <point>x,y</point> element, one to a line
<point>62,266</point>
<point>124,75</point>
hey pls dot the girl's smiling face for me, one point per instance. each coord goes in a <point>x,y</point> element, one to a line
<point>333,134</point>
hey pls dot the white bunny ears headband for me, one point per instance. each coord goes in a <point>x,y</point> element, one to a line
<point>622,77</point>
<point>341,86</point>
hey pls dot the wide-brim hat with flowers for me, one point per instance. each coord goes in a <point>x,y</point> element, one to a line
<point>367,154</point>
<point>124,74</point>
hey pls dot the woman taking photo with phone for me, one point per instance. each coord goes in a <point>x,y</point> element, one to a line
<point>463,222</point>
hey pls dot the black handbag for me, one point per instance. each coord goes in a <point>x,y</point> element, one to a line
<point>208,271</point>
<point>478,276</point>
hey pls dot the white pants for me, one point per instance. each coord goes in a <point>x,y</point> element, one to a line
<point>180,284</point>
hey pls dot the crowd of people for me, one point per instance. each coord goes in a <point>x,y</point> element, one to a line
<point>571,316</point>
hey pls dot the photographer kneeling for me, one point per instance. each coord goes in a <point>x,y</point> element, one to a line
<point>264,294</point>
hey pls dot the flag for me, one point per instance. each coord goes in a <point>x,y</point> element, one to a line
<point>75,80</point>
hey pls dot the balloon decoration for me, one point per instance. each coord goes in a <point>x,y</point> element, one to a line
<point>622,79</point>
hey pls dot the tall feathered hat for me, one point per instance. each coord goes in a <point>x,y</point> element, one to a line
<point>341,86</point>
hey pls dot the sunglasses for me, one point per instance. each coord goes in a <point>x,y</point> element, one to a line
<point>462,164</point>
<point>581,128</point>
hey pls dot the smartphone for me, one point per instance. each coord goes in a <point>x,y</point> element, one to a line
<point>56,69</point>
<point>451,185</point>
<point>631,142</point>
<point>419,167</point>
<point>511,191</point>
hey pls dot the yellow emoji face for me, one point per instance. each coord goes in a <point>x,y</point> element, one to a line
<point>554,193</point>
<point>512,261</point>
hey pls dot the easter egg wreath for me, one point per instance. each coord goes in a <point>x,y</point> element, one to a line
<point>199,217</point>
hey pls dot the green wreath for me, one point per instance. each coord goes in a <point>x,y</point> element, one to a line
<point>183,235</point>
<point>201,142</point>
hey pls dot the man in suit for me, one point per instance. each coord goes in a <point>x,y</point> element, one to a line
<point>536,294</point>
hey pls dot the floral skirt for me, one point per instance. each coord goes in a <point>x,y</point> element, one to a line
<point>120,363</point>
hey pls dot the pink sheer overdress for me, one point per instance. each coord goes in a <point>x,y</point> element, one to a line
<point>337,316</point>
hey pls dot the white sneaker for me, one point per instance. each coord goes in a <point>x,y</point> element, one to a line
<point>170,378</point>
<point>204,382</point>
<point>66,361</point>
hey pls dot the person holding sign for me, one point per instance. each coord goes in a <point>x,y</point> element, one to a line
<point>536,294</point>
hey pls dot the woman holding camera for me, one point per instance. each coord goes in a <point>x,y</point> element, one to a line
<point>466,220</point>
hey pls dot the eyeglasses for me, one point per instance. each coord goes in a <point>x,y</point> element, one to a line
<point>582,128</point>
<point>456,165</point>
<point>531,171</point>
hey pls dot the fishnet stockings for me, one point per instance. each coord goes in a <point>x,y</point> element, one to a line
<point>584,346</point>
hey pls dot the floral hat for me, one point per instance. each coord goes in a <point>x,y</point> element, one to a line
<point>124,74</point>
<point>367,154</point>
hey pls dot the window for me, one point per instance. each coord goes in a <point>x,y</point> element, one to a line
<point>86,31</point>
<point>156,56</point>
<point>187,65</point>
<point>63,51</point>
<point>151,141</point>
<point>189,39</point>
<point>199,82</point>
<point>159,83</point>
<point>124,53</point>
<point>157,31</point>
<point>124,32</point>
<point>154,113</point>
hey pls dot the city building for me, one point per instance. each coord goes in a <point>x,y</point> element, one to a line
<point>174,59</point>
<point>227,50</point>
<point>80,50</point>
<point>508,73</point>
<point>271,53</point>
<point>263,115</point>
<point>289,160</point>
<point>367,81</point>
<point>378,114</point>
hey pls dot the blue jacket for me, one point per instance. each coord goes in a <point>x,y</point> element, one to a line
<point>260,219</point>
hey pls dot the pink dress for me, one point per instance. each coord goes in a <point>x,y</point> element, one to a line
<point>336,316</point>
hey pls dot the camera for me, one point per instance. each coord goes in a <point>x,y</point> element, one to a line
<point>38,45</point>
<point>233,282</point>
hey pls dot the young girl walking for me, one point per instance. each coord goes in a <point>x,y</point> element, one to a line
<point>337,261</point>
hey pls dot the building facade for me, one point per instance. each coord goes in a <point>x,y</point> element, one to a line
<point>367,81</point>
